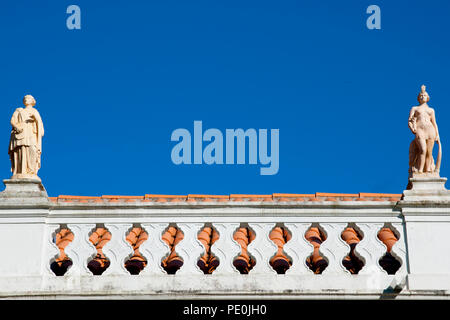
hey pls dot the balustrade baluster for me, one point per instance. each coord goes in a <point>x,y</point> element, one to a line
<point>334,249</point>
<point>51,250</point>
<point>80,250</point>
<point>154,249</point>
<point>298,248</point>
<point>226,248</point>
<point>190,248</point>
<point>370,248</point>
<point>118,249</point>
<point>399,249</point>
<point>262,248</point>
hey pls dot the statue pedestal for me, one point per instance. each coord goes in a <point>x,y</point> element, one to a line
<point>426,212</point>
<point>24,191</point>
<point>24,208</point>
<point>427,187</point>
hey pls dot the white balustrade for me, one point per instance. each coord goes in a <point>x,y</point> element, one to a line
<point>225,279</point>
<point>262,248</point>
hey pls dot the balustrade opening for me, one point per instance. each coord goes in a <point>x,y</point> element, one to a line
<point>61,263</point>
<point>280,262</point>
<point>99,237</point>
<point>388,261</point>
<point>244,262</point>
<point>208,262</point>
<point>316,262</point>
<point>352,236</point>
<point>136,262</point>
<point>173,262</point>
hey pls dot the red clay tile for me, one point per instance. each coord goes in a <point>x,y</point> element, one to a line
<point>293,195</point>
<point>122,197</point>
<point>379,195</point>
<point>164,196</point>
<point>334,195</point>
<point>280,197</point>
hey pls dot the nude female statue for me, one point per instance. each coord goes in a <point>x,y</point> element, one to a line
<point>422,123</point>
<point>25,146</point>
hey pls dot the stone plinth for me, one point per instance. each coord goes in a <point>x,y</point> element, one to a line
<point>427,187</point>
<point>23,191</point>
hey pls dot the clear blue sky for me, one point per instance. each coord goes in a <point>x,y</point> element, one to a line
<point>111,94</point>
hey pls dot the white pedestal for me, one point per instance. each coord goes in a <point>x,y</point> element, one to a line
<point>426,211</point>
<point>24,207</point>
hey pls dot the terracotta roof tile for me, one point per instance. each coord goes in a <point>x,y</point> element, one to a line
<point>286,197</point>
<point>379,195</point>
<point>155,197</point>
<point>322,194</point>
<point>207,198</point>
<point>278,197</point>
<point>293,195</point>
<point>122,197</point>
<point>251,197</point>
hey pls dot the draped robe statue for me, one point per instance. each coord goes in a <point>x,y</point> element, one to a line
<point>25,146</point>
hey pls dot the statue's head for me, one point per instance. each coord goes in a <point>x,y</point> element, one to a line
<point>29,100</point>
<point>423,96</point>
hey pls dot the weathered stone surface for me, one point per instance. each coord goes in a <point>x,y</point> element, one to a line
<point>427,187</point>
<point>19,192</point>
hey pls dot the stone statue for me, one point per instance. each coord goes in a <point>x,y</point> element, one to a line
<point>422,123</point>
<point>25,146</point>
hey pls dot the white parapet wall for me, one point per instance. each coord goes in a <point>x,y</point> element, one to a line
<point>28,226</point>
